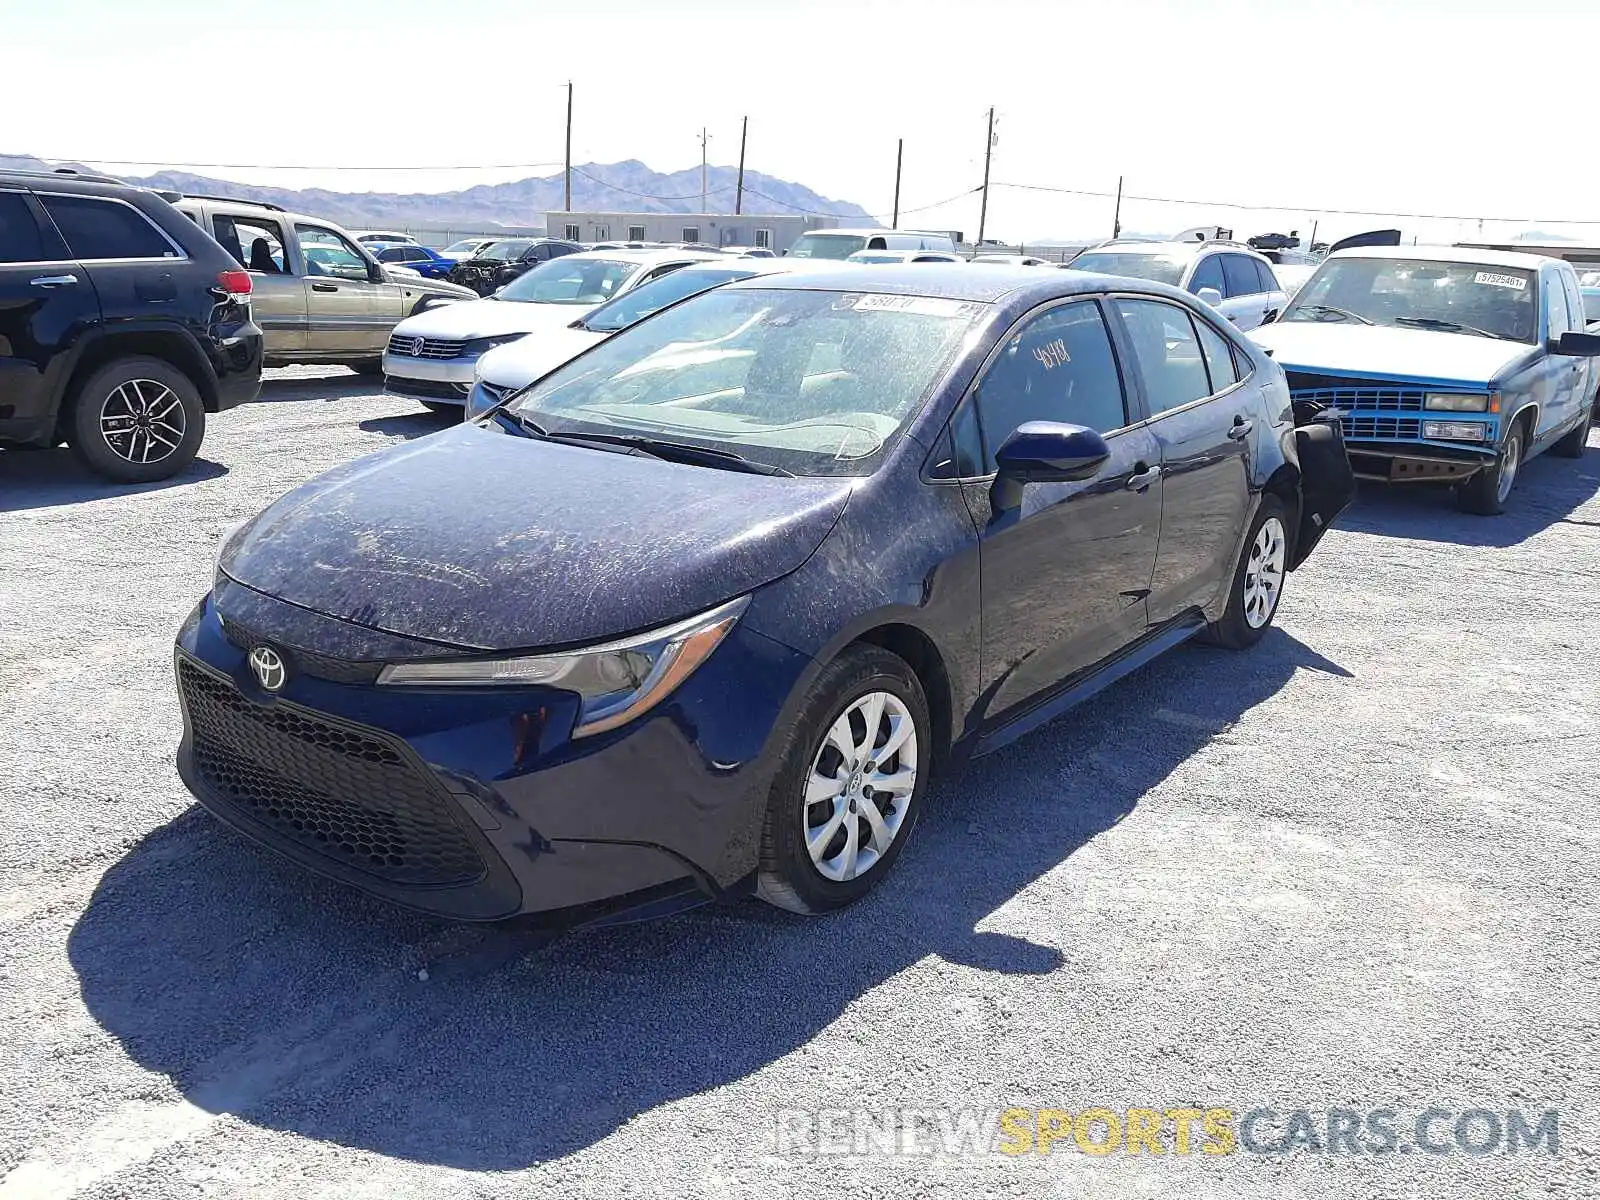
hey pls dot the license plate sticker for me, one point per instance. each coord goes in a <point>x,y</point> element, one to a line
<point>1495,279</point>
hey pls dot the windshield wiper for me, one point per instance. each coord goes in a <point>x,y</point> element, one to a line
<point>683,452</point>
<point>1450,327</point>
<point>1338,312</point>
<point>517,423</point>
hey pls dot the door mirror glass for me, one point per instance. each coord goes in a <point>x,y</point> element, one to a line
<point>1584,345</point>
<point>1210,295</point>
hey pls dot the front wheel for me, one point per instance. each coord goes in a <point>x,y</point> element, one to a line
<point>1258,580</point>
<point>849,786</point>
<point>1486,492</point>
<point>136,420</point>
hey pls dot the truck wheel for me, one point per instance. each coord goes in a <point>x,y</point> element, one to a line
<point>1257,581</point>
<point>850,782</point>
<point>1485,493</point>
<point>137,419</point>
<point>1576,441</point>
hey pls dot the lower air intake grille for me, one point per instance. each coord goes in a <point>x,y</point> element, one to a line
<point>347,794</point>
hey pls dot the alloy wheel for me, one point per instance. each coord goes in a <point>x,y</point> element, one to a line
<point>142,421</point>
<point>1509,463</point>
<point>1263,574</point>
<point>859,789</point>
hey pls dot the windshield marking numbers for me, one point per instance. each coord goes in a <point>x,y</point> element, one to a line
<point>1052,354</point>
<point>1495,279</point>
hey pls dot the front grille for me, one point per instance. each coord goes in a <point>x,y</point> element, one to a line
<point>348,794</point>
<point>1369,428</point>
<point>305,662</point>
<point>1369,409</point>
<point>407,346</point>
<point>1364,399</point>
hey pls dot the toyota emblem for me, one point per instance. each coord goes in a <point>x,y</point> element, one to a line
<point>269,668</point>
<point>416,346</point>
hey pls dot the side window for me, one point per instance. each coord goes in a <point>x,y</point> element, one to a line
<point>1555,298</point>
<point>1240,272</point>
<point>19,232</point>
<point>663,269</point>
<point>329,254</point>
<point>1265,277</point>
<point>96,228</point>
<point>1575,310</point>
<point>877,243</point>
<point>1219,358</point>
<point>256,245</point>
<point>960,452</point>
<point>1058,367</point>
<point>1208,274</point>
<point>1170,361</point>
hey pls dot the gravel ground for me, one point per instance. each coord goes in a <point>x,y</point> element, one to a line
<point>1354,868</point>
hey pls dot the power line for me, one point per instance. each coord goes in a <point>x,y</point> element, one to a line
<point>1305,208</point>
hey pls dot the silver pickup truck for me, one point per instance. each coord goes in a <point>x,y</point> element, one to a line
<point>318,294</point>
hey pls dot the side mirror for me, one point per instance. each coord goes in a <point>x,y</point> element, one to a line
<point>1209,295</point>
<point>1581,345</point>
<point>1045,452</point>
<point>376,273</point>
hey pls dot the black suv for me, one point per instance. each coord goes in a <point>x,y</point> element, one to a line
<point>507,259</point>
<point>121,325</point>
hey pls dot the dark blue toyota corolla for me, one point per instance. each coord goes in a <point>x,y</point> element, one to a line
<point>698,614</point>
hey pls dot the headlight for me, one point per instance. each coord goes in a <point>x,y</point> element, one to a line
<point>479,346</point>
<point>1455,431</point>
<point>618,681</point>
<point>1452,402</point>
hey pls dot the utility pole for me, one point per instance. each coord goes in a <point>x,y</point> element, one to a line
<point>704,138</point>
<point>738,195</point>
<point>988,153</point>
<point>1116,217</point>
<point>569,145</point>
<point>899,157</point>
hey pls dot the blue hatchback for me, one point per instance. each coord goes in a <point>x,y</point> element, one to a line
<point>698,615</point>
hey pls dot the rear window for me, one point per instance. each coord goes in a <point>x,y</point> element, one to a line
<point>827,245</point>
<point>1158,268</point>
<point>19,233</point>
<point>96,228</point>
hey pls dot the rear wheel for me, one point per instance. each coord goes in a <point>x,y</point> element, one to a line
<point>1486,492</point>
<point>1576,441</point>
<point>849,786</point>
<point>1258,580</point>
<point>137,419</point>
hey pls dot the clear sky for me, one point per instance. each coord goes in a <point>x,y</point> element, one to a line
<point>1480,107</point>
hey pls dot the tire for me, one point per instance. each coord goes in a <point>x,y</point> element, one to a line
<point>370,367</point>
<point>443,408</point>
<point>152,398</point>
<point>1257,585</point>
<point>1577,440</point>
<point>847,688</point>
<point>1486,492</point>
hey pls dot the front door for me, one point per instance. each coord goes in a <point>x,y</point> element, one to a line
<point>47,302</point>
<point>349,313</point>
<point>1065,574</point>
<point>1205,428</point>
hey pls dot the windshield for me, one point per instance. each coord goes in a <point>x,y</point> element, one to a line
<point>505,250</point>
<point>1158,268</point>
<point>462,247</point>
<point>817,383</point>
<point>826,245</point>
<point>877,256</point>
<point>652,297</point>
<point>1420,294</point>
<point>571,280</point>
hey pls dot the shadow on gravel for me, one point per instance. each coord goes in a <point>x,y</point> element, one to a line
<point>51,478</point>
<point>336,385</point>
<point>297,1005</point>
<point>409,425</point>
<point>1548,491</point>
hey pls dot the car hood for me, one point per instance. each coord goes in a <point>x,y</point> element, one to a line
<point>530,358</point>
<point>489,318</point>
<point>482,539</point>
<point>1382,351</point>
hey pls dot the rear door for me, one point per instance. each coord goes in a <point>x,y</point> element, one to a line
<point>277,295</point>
<point>1243,300</point>
<point>1064,576</point>
<point>47,303</point>
<point>348,312</point>
<point>1203,423</point>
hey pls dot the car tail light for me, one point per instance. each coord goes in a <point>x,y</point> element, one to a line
<point>236,284</point>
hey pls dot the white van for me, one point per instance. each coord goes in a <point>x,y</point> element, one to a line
<point>842,243</point>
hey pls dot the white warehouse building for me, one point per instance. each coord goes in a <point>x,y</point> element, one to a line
<point>775,232</point>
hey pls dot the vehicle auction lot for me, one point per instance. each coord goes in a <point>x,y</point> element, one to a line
<point>1352,868</point>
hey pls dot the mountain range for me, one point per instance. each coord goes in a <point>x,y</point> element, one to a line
<point>627,186</point>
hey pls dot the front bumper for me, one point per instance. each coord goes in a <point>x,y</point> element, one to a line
<point>431,370</point>
<point>1417,462</point>
<point>473,803</point>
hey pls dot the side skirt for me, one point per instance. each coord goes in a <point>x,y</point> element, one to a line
<point>1080,688</point>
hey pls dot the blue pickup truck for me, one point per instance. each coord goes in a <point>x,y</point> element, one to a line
<point>1447,365</point>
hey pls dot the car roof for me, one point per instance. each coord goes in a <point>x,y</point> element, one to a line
<point>1458,254</point>
<point>984,283</point>
<point>880,231</point>
<point>646,257</point>
<point>1175,249</point>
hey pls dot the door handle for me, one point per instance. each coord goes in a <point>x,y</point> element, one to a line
<point>54,281</point>
<point>324,287</point>
<point>1141,481</point>
<point>1241,429</point>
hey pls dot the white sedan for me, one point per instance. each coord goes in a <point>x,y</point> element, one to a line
<point>431,356</point>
